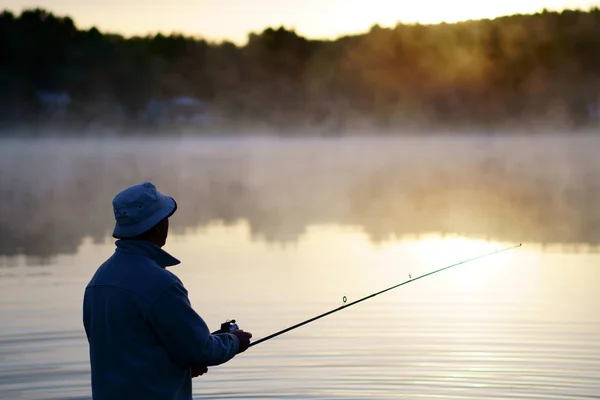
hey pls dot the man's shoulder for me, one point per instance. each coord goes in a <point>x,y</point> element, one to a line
<point>169,277</point>
<point>101,272</point>
<point>134,273</point>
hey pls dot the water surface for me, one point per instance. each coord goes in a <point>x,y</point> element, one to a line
<point>274,232</point>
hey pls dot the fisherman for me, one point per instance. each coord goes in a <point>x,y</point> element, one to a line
<point>145,339</point>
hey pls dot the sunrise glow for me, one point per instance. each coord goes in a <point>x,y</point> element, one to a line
<point>233,20</point>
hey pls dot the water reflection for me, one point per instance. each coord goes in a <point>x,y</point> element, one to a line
<point>521,323</point>
<point>535,190</point>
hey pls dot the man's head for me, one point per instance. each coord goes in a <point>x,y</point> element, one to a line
<point>157,234</point>
<point>142,212</point>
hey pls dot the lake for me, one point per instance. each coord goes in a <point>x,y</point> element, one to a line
<point>272,232</point>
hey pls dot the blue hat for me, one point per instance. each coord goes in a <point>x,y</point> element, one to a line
<point>139,208</point>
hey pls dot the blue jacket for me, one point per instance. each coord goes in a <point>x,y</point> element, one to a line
<point>142,331</point>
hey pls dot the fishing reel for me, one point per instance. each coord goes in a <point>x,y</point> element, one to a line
<point>227,327</point>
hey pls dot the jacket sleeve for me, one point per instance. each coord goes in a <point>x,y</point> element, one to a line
<point>185,334</point>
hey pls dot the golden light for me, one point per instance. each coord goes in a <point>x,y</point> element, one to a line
<point>234,19</point>
<point>459,10</point>
<point>438,249</point>
<point>438,252</point>
<point>345,16</point>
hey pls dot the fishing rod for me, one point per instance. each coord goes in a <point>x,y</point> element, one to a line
<point>230,325</point>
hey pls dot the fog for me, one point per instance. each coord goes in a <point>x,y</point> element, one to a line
<point>541,190</point>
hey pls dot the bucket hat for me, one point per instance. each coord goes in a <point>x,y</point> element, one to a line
<point>139,208</point>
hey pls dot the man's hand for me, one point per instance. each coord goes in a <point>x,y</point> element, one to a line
<point>197,371</point>
<point>244,339</point>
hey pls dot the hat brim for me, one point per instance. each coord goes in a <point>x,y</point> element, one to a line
<point>167,208</point>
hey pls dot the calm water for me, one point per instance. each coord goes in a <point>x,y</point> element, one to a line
<point>274,232</point>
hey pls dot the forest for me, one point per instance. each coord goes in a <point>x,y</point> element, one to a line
<point>520,73</point>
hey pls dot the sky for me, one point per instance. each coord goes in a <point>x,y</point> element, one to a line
<point>233,20</point>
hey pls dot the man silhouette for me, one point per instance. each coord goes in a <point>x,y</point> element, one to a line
<point>145,340</point>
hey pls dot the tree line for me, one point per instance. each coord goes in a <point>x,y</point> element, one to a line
<point>521,72</point>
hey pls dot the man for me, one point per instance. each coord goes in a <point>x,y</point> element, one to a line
<point>146,342</point>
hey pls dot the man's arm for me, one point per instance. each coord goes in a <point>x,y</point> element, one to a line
<point>185,334</point>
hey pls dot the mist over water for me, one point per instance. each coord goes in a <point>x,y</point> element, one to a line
<point>272,232</point>
<point>542,190</point>
<point>277,227</point>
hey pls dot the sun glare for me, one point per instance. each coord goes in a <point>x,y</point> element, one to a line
<point>460,10</point>
<point>360,15</point>
<point>453,248</point>
<point>438,252</point>
<point>235,19</point>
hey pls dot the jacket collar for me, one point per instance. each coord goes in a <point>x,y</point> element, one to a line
<point>144,248</point>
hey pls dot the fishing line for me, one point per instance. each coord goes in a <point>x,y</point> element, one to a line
<point>281,332</point>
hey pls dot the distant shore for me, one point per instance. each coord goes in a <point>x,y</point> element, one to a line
<point>522,73</point>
